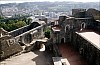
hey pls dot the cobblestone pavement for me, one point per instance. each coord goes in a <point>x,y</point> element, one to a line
<point>30,58</point>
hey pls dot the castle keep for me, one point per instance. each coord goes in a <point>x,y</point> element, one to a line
<point>81,31</point>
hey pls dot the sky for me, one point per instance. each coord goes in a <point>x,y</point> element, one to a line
<point>21,1</point>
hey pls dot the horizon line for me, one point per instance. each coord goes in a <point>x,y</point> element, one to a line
<point>8,2</point>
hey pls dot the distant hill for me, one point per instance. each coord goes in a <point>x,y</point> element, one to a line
<point>48,6</point>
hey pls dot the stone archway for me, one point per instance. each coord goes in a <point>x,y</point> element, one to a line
<point>42,47</point>
<point>81,51</point>
<point>62,40</point>
<point>25,39</point>
<point>67,27</point>
<point>83,25</point>
<point>28,38</point>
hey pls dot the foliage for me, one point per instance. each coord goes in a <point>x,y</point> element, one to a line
<point>13,24</point>
<point>28,21</point>
<point>47,32</point>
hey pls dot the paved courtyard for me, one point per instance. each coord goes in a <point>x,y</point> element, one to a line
<point>72,55</point>
<point>30,58</point>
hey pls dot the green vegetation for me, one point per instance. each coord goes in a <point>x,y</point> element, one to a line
<point>1,17</point>
<point>28,21</point>
<point>10,25</point>
<point>47,32</point>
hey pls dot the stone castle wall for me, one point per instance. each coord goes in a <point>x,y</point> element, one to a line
<point>11,42</point>
<point>70,25</point>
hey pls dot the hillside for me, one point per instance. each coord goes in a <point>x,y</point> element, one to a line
<point>29,7</point>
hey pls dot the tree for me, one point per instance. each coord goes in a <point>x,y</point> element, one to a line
<point>47,32</point>
<point>12,24</point>
<point>20,24</point>
<point>28,21</point>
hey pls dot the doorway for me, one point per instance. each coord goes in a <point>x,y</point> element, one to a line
<point>63,40</point>
<point>83,25</point>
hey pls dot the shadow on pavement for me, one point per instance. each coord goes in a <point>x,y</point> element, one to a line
<point>43,58</point>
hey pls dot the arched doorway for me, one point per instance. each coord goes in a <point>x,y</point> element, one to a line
<point>83,25</point>
<point>62,40</point>
<point>67,27</point>
<point>81,51</point>
<point>27,39</point>
<point>42,47</point>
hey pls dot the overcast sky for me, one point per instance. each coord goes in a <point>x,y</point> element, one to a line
<point>20,1</point>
